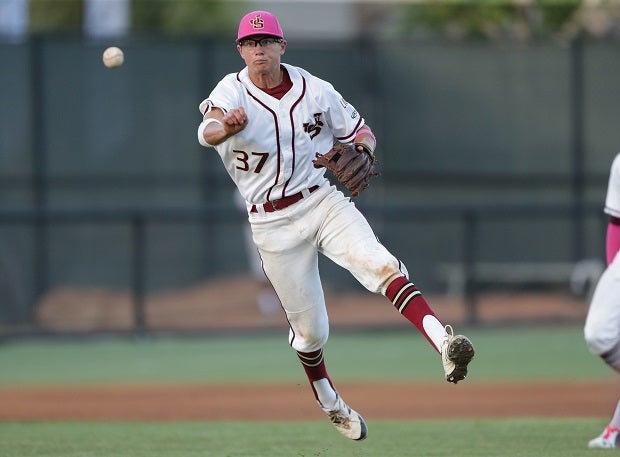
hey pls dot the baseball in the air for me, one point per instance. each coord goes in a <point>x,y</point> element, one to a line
<point>113,57</point>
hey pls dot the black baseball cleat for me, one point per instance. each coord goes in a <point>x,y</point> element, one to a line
<point>456,353</point>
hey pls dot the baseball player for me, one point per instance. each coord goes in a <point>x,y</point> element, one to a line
<point>268,122</point>
<point>602,327</point>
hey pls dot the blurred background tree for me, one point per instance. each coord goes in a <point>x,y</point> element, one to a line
<point>55,16</point>
<point>519,20</point>
<point>489,20</point>
<point>495,20</point>
<point>193,17</point>
<point>170,17</point>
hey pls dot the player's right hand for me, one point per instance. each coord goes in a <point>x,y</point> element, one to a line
<point>235,121</point>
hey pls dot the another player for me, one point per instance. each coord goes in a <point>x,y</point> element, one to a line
<point>602,327</point>
<point>267,122</point>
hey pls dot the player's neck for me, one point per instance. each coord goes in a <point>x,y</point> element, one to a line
<point>267,80</point>
<point>281,89</point>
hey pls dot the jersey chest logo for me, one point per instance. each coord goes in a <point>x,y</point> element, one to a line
<point>314,129</point>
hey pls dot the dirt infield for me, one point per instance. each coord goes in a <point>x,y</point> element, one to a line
<point>229,304</point>
<point>295,402</point>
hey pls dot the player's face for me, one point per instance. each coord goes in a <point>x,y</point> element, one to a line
<point>262,53</point>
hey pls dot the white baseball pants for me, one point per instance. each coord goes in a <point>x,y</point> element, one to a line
<point>289,241</point>
<point>602,327</point>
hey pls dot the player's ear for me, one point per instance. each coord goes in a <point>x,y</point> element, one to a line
<point>282,47</point>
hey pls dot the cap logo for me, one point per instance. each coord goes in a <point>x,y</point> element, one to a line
<point>257,22</point>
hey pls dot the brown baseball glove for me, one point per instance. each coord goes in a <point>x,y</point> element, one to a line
<point>352,168</point>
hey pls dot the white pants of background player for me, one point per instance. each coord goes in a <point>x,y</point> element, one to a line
<point>602,335</point>
<point>602,327</point>
<point>289,242</point>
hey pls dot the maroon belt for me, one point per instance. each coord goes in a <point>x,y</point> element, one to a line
<point>282,203</point>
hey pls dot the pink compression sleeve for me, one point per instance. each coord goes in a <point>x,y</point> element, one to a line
<point>613,239</point>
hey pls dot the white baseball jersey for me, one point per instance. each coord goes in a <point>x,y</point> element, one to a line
<point>612,201</point>
<point>268,159</point>
<point>272,158</point>
<point>602,326</point>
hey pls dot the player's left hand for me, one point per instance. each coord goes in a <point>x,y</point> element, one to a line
<point>352,166</point>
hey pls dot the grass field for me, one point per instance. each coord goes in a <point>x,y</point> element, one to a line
<point>545,353</point>
<point>476,438</point>
<point>501,354</point>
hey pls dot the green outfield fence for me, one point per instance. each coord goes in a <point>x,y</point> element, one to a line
<point>466,218</point>
<point>489,153</point>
